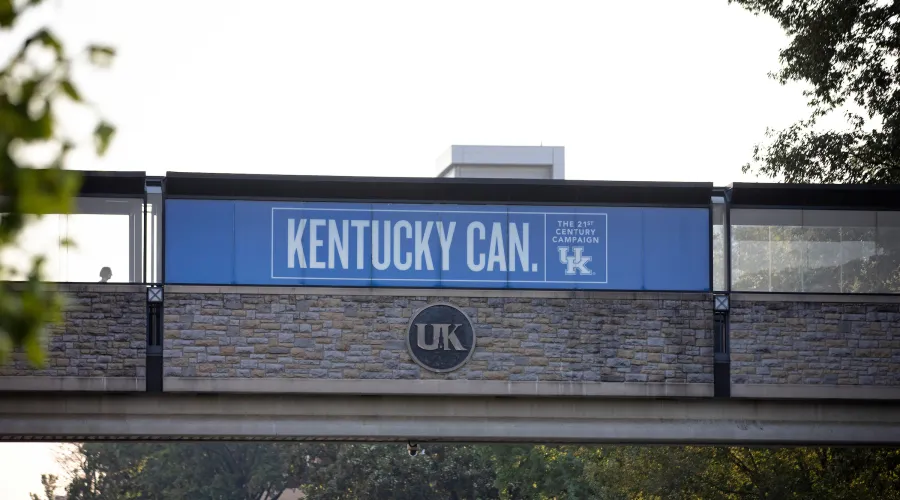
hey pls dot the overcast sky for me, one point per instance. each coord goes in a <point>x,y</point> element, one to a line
<point>652,90</point>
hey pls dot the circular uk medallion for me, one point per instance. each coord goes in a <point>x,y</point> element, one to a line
<point>440,338</point>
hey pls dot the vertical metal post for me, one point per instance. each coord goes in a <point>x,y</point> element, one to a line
<point>154,376</point>
<point>155,291</point>
<point>145,223</point>
<point>727,237</point>
<point>721,317</point>
<point>721,359</point>
<point>161,224</point>
<point>712,245</point>
<point>132,247</point>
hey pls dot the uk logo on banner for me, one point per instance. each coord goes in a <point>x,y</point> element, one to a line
<point>579,243</point>
<point>577,263</point>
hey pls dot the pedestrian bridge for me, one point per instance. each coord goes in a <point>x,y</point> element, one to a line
<point>458,310</point>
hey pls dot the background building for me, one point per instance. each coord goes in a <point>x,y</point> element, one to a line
<point>503,162</point>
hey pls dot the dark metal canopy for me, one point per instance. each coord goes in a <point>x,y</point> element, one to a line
<point>477,190</point>
<point>112,184</point>
<point>424,189</point>
<point>835,196</point>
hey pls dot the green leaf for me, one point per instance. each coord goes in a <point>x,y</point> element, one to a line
<point>103,135</point>
<point>29,88</point>
<point>101,55</point>
<point>6,346</point>
<point>46,190</point>
<point>42,127</point>
<point>7,13</point>
<point>17,119</point>
<point>34,349</point>
<point>48,40</point>
<point>13,120</point>
<point>69,88</point>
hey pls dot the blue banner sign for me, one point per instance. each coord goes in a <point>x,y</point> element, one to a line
<point>464,246</point>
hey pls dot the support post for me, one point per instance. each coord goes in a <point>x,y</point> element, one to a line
<point>154,376</point>
<point>721,358</point>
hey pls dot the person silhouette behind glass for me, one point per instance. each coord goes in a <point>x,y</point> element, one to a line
<point>105,274</point>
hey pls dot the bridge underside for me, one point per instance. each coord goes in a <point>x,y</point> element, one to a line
<point>139,417</point>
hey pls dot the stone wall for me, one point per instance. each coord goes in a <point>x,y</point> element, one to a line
<point>775,342</point>
<point>103,334</point>
<point>780,346</point>
<point>601,337</point>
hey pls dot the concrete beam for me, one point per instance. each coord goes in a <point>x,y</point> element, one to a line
<point>435,387</point>
<point>96,287</point>
<point>810,391</point>
<point>70,416</point>
<point>89,384</point>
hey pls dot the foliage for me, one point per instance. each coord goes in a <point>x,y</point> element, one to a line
<point>848,52</point>
<point>207,471</point>
<point>364,471</point>
<point>241,471</point>
<point>747,473</point>
<point>542,472</point>
<point>107,472</point>
<point>48,482</point>
<point>34,82</point>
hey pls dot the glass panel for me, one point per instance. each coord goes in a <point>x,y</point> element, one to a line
<point>858,260</point>
<point>823,260</point>
<point>100,249</point>
<point>718,234</point>
<point>750,258</point>
<point>888,251</point>
<point>766,217</point>
<point>106,238</point>
<point>823,251</point>
<point>786,247</point>
<point>40,237</point>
